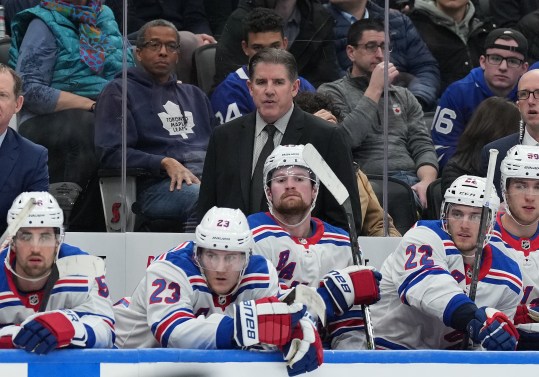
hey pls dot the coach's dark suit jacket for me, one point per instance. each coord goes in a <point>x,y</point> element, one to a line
<point>23,167</point>
<point>226,178</point>
<point>502,145</point>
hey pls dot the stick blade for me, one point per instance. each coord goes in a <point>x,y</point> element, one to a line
<point>325,174</point>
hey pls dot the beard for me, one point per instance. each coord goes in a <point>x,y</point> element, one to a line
<point>291,207</point>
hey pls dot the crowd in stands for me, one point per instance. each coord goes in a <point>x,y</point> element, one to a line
<point>232,166</point>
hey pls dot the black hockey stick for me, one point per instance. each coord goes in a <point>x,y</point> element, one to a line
<point>493,153</point>
<point>322,170</point>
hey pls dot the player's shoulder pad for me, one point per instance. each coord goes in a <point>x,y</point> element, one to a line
<point>257,265</point>
<point>67,250</point>
<point>81,265</point>
<point>500,261</point>
<point>328,228</point>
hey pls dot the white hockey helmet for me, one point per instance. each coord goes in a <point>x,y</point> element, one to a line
<point>46,212</point>
<point>522,161</point>
<point>469,190</point>
<point>287,156</point>
<point>224,229</point>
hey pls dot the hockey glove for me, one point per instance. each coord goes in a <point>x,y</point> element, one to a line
<point>304,352</point>
<point>265,320</point>
<point>493,330</point>
<point>7,333</point>
<point>43,332</point>
<point>526,314</point>
<point>353,285</point>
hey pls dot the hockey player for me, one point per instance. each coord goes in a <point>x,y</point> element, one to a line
<point>306,250</point>
<point>52,295</point>
<point>423,304</point>
<point>518,230</point>
<point>208,295</point>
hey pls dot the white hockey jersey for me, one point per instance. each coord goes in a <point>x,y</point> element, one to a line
<point>525,251</point>
<point>425,280</point>
<point>88,297</point>
<point>306,261</point>
<point>173,307</point>
<point>300,260</point>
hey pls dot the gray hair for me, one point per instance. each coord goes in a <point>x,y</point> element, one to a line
<point>159,22</point>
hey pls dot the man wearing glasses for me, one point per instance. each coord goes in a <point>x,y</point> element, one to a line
<point>359,97</point>
<point>501,66</point>
<point>424,302</point>
<point>528,105</point>
<point>168,127</point>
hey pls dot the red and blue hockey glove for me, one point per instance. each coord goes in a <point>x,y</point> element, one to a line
<point>43,332</point>
<point>526,314</point>
<point>266,320</point>
<point>7,333</point>
<point>304,353</point>
<point>353,285</point>
<point>493,330</point>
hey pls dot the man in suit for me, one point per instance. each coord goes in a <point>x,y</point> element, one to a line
<point>528,105</point>
<point>23,164</point>
<point>232,176</point>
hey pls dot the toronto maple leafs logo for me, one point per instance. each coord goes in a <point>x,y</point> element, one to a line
<point>175,122</point>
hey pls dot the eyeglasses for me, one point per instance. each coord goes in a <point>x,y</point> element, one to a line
<point>171,47</point>
<point>372,47</point>
<point>495,59</point>
<point>44,239</point>
<point>525,94</point>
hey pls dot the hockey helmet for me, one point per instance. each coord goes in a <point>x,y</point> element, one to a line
<point>287,156</point>
<point>224,229</point>
<point>522,161</point>
<point>46,212</point>
<point>469,190</point>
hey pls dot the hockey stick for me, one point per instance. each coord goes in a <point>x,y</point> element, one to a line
<point>13,228</point>
<point>493,153</point>
<point>322,170</point>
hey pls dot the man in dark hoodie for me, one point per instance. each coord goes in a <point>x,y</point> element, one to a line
<point>168,126</point>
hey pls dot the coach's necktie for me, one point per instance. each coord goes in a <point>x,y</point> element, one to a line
<point>257,189</point>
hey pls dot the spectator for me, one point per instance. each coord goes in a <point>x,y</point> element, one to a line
<point>12,7</point>
<point>424,304</point>
<point>308,251</point>
<point>502,64</point>
<point>53,304</point>
<point>263,28</point>
<point>507,13</point>
<point>221,297</point>
<point>372,214</point>
<point>65,53</point>
<point>168,127</point>
<point>418,69</point>
<point>528,105</point>
<point>24,164</point>
<point>359,96</point>
<point>517,230</point>
<point>233,160</point>
<point>528,26</point>
<point>454,35</point>
<point>308,29</point>
<point>493,119</point>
